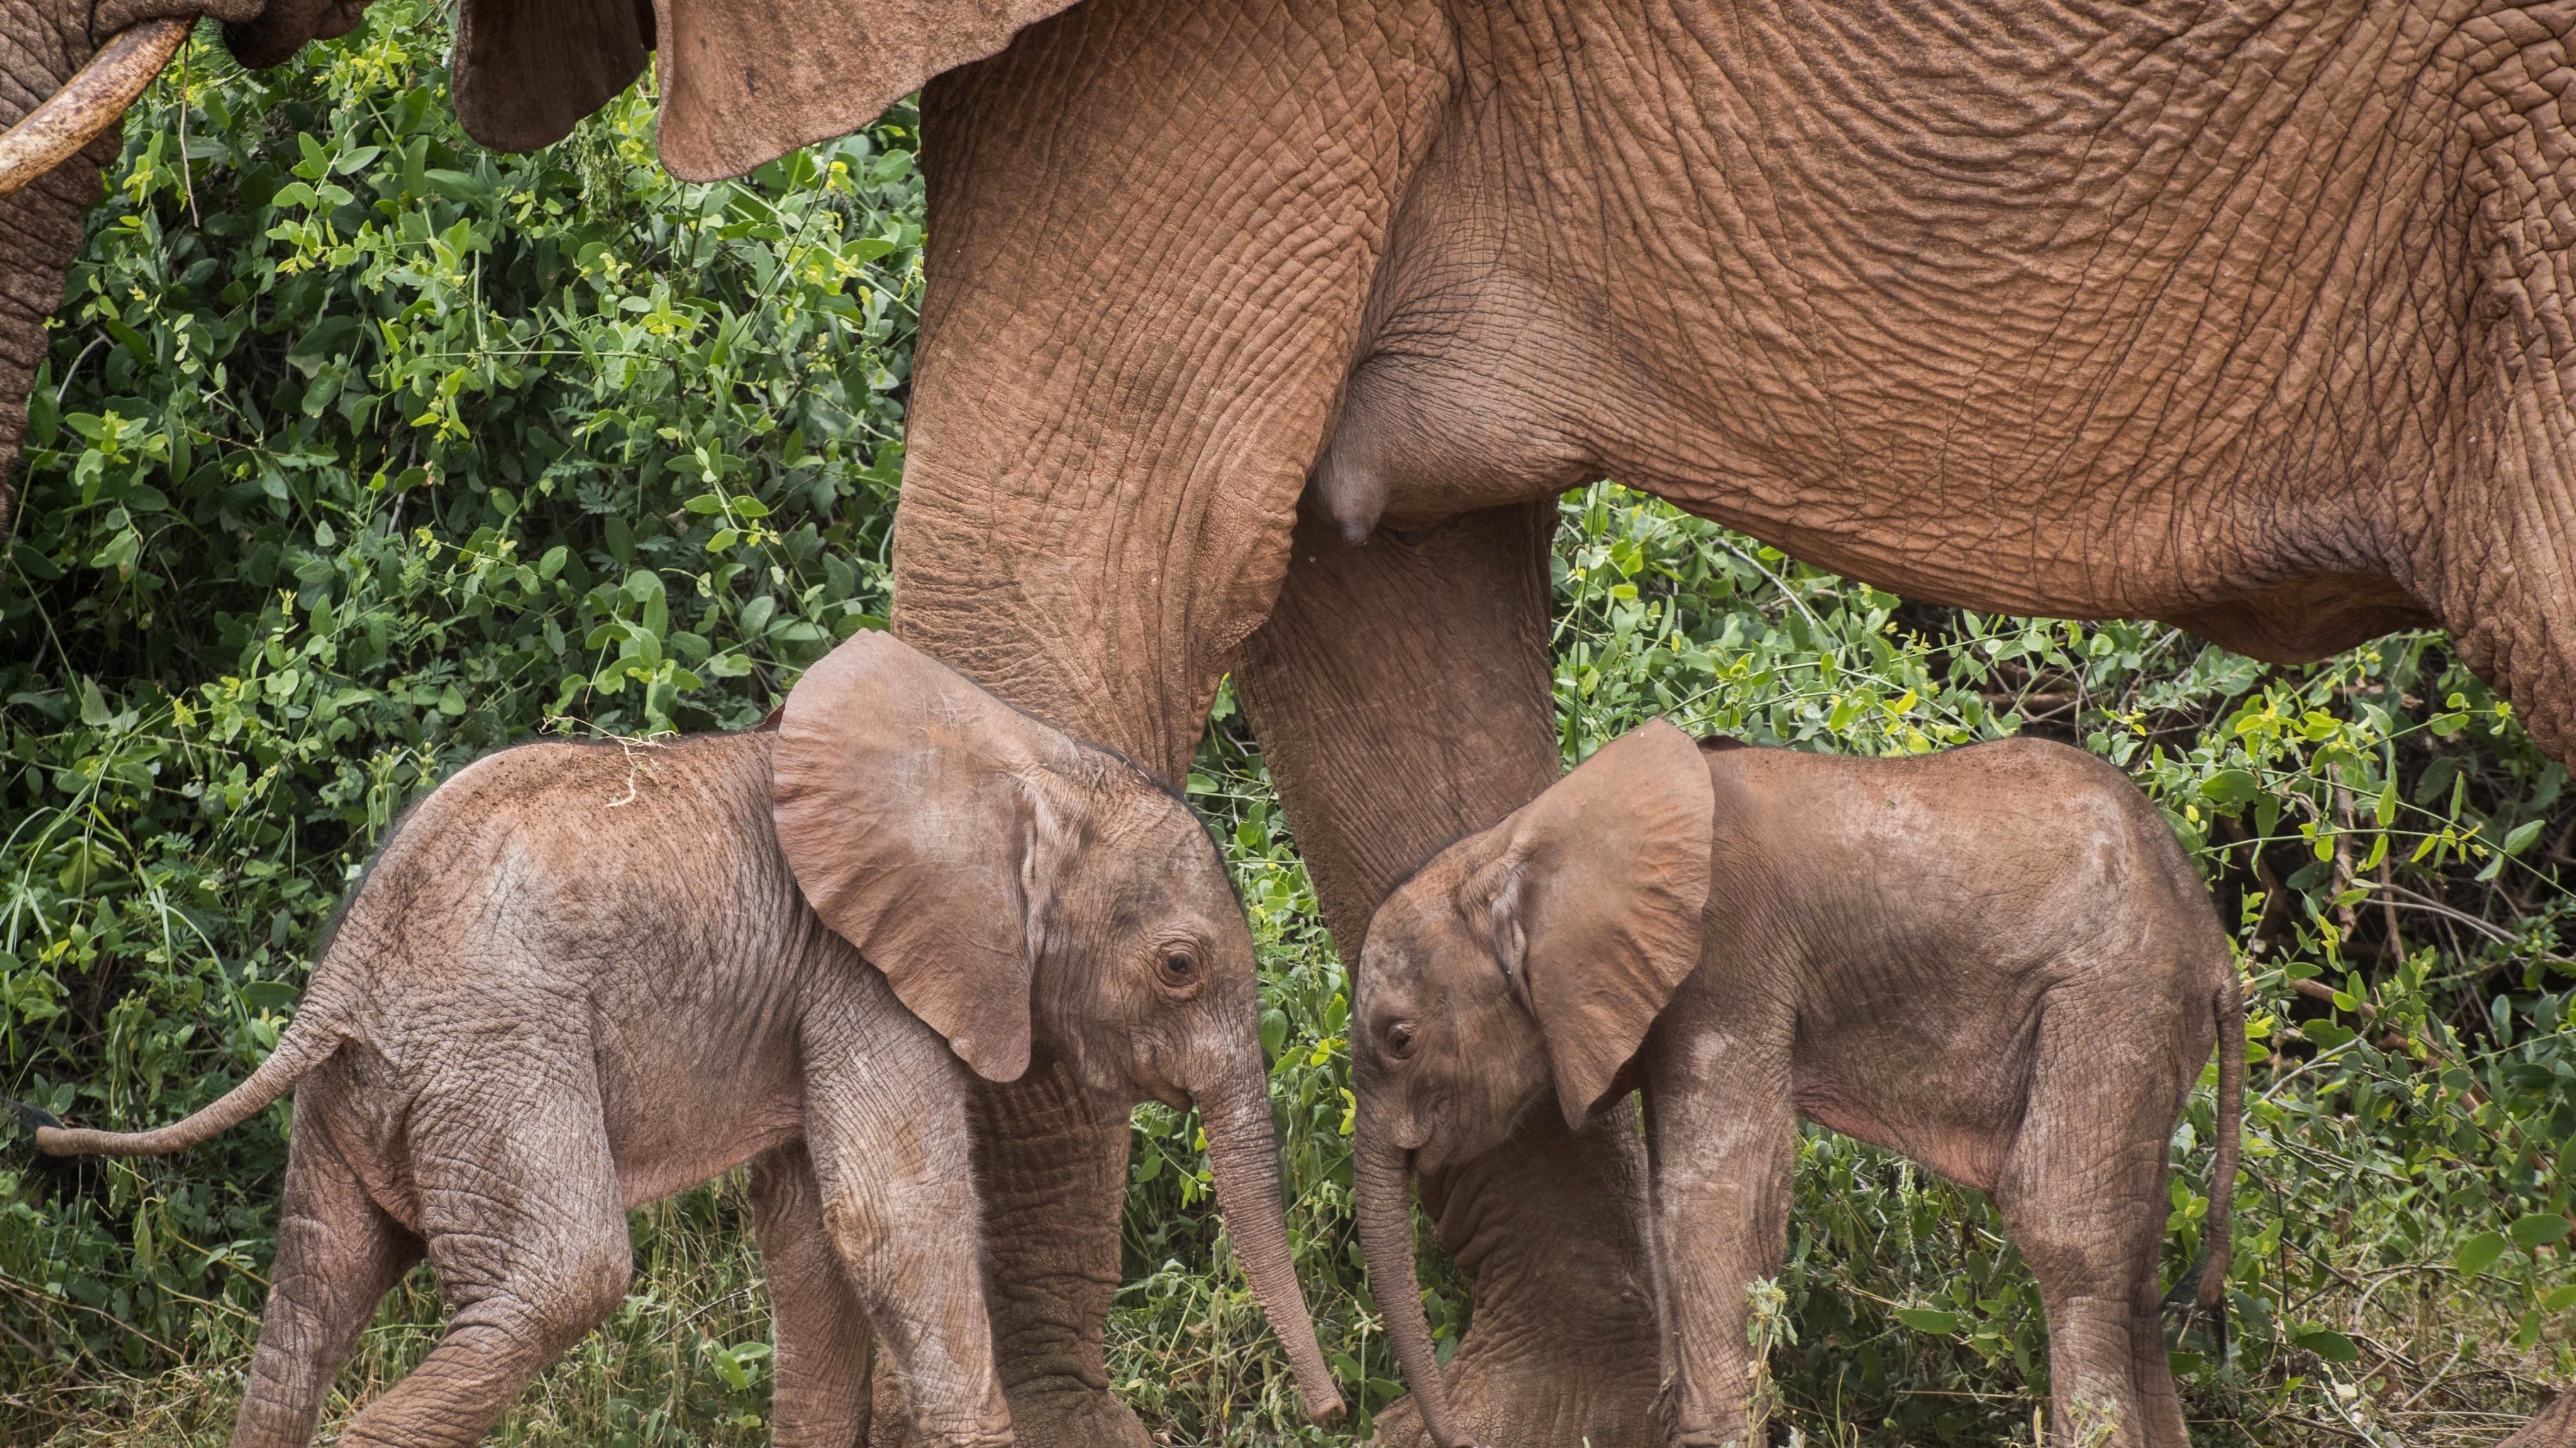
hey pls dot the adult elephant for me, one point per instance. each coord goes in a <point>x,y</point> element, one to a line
<point>1261,335</point>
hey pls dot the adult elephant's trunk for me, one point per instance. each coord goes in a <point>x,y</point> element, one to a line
<point>1244,1155</point>
<point>45,185</point>
<point>1382,1191</point>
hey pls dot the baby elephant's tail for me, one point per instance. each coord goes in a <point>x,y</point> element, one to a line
<point>309,1041</point>
<point>2204,1288</point>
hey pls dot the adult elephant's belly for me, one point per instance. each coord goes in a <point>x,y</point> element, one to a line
<point>2165,338</point>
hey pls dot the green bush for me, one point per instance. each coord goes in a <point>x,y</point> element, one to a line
<point>362,451</point>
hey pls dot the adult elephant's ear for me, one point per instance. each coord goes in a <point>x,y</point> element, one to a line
<point>746,81</point>
<point>1594,901</point>
<point>526,71</point>
<point>920,816</point>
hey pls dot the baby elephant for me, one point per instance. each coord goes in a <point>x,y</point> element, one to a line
<point>1996,960</point>
<point>581,977</point>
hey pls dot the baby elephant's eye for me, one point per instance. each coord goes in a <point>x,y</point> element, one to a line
<point>1180,968</point>
<point>1399,1039</point>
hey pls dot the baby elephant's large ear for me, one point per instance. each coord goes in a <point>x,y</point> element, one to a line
<point>914,809</point>
<point>1596,899</point>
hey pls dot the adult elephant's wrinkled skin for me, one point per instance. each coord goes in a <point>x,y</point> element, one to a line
<point>2248,316</point>
<point>2251,318</point>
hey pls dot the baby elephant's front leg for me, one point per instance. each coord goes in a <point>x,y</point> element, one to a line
<point>1720,1198</point>
<point>820,1331</point>
<point>886,1128</point>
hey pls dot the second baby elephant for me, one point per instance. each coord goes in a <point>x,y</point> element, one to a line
<point>581,977</point>
<point>1997,961</point>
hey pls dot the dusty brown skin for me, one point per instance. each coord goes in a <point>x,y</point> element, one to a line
<point>2241,316</point>
<point>1997,961</point>
<point>2246,316</point>
<point>2554,1428</point>
<point>583,977</point>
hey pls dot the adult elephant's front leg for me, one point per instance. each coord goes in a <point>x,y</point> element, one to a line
<point>1051,1168</point>
<point>1400,690</point>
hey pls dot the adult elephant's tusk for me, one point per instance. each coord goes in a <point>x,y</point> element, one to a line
<point>91,101</point>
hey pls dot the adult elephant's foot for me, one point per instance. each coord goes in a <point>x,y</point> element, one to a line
<point>1079,1417</point>
<point>1043,1415</point>
<point>1563,1347</point>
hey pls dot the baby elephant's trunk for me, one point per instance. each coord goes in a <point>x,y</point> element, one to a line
<point>1382,1192</point>
<point>1243,1154</point>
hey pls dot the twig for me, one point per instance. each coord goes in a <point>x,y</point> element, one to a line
<point>74,370</point>
<point>187,173</point>
<point>120,1324</point>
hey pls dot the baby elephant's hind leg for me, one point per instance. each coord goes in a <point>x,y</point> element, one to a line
<point>520,1204</point>
<point>818,1328</point>
<point>2083,1192</point>
<point>337,1256</point>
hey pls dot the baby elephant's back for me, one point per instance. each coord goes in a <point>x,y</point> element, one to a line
<point>625,902</point>
<point>2023,848</point>
<point>1947,911</point>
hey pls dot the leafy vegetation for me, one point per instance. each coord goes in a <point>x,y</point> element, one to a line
<point>362,451</point>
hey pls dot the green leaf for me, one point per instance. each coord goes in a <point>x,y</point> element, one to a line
<point>2328,1035</point>
<point>2333,1346</point>
<point>1929,1320</point>
<point>2539,1229</point>
<point>269,995</point>
<point>454,185</point>
<point>2230,787</point>
<point>2523,835</point>
<point>2478,1253</point>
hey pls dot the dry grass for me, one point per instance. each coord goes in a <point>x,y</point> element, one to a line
<point>1189,1353</point>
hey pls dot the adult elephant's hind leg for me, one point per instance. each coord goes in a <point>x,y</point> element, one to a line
<point>1400,690</point>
